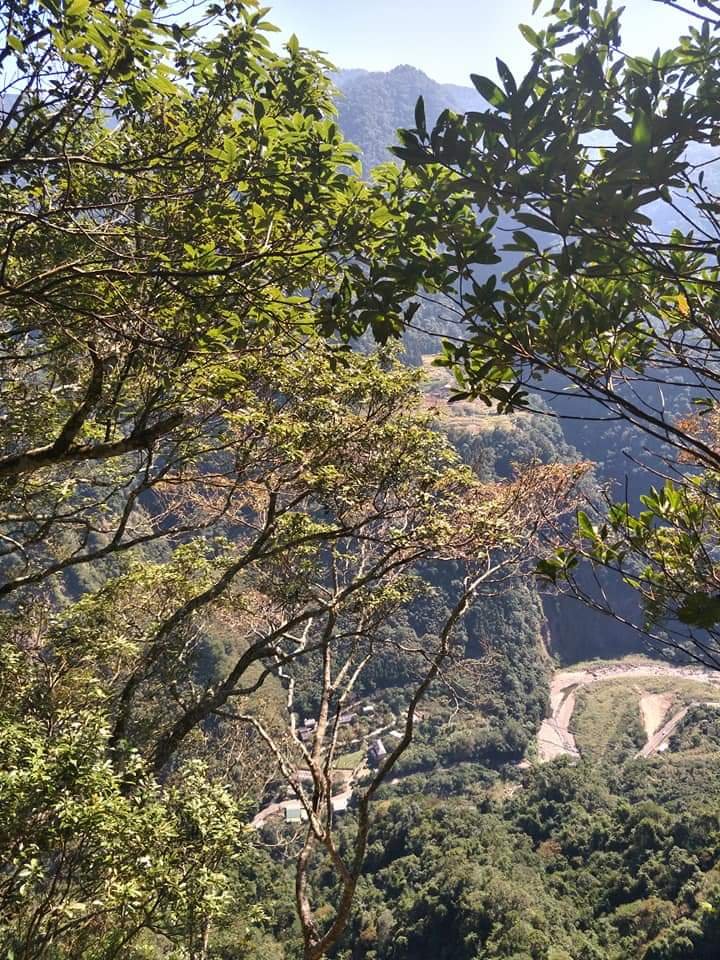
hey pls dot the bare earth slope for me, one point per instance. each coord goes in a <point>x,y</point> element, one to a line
<point>554,736</point>
<point>654,708</point>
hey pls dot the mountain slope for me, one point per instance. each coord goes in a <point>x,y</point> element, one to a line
<point>374,104</point>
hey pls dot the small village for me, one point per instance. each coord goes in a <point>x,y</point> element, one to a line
<point>367,732</point>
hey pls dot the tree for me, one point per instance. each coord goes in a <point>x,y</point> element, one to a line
<point>191,452</point>
<point>602,167</point>
<point>90,869</point>
<point>179,205</point>
<point>491,530</point>
<point>344,491</point>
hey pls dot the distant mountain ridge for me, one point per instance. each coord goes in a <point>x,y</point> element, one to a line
<point>373,104</point>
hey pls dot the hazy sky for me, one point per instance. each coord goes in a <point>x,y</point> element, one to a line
<point>449,39</point>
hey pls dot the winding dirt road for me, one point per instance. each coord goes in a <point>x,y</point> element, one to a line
<point>554,736</point>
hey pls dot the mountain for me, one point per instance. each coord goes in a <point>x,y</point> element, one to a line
<point>374,104</point>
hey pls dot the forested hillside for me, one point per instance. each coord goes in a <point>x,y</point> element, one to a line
<point>372,106</point>
<point>335,495</point>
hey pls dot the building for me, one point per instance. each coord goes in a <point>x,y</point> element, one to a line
<point>295,812</point>
<point>376,753</point>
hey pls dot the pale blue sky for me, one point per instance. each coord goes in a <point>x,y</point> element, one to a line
<point>449,39</point>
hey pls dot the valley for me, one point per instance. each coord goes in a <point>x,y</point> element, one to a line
<point>360,437</point>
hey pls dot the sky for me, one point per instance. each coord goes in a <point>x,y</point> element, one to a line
<point>449,39</point>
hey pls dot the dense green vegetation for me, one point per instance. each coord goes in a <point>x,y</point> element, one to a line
<point>566,867</point>
<point>273,654</point>
<point>591,862</point>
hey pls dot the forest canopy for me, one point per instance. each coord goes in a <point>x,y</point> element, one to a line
<point>253,565</point>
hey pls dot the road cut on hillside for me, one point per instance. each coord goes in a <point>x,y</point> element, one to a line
<point>556,740</point>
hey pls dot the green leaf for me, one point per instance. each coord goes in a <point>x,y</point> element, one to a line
<point>524,241</point>
<point>409,155</point>
<point>506,76</point>
<point>641,131</point>
<point>160,83</point>
<point>489,90</point>
<point>585,527</point>
<point>700,610</point>
<point>77,8</point>
<point>532,38</point>
<point>536,223</point>
<point>548,569</point>
<point>420,117</point>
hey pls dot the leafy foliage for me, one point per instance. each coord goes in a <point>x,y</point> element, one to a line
<point>186,236</point>
<point>216,514</point>
<point>88,863</point>
<point>602,166</point>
